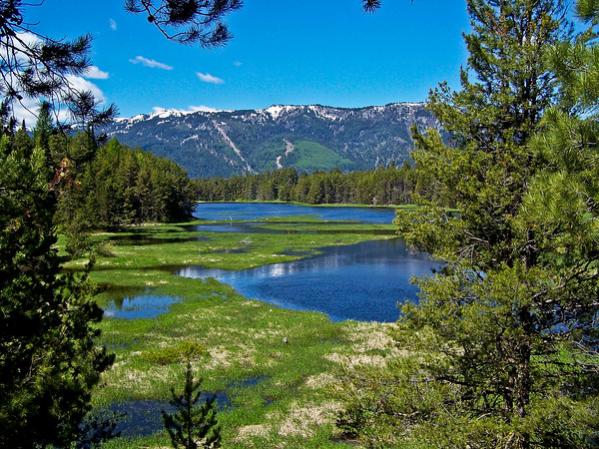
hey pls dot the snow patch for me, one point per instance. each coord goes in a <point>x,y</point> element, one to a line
<point>231,144</point>
<point>164,113</point>
<point>276,111</point>
<point>289,148</point>
<point>188,139</point>
<point>324,113</point>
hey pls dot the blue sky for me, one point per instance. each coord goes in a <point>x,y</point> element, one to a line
<point>284,52</point>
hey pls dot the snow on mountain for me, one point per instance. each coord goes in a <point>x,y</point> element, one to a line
<point>210,142</point>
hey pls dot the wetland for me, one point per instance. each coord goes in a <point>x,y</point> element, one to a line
<point>292,305</point>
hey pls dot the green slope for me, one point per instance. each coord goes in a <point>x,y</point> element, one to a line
<point>311,156</point>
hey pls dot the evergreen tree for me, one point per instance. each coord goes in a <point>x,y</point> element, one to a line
<point>502,344</point>
<point>193,425</point>
<point>44,128</point>
<point>49,359</point>
<point>389,185</point>
<point>118,187</point>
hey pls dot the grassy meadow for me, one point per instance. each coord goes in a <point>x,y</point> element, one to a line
<point>279,368</point>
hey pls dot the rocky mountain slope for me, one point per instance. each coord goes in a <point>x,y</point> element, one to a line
<point>225,143</point>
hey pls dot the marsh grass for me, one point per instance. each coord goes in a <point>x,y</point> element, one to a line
<point>233,341</point>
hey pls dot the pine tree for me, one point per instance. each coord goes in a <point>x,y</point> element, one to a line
<point>49,358</point>
<point>193,424</point>
<point>42,132</point>
<point>502,344</point>
<point>44,127</point>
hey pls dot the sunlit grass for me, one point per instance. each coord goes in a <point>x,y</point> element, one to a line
<point>294,354</point>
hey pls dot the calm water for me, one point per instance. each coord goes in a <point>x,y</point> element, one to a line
<point>139,306</point>
<point>362,282</point>
<point>144,417</point>
<point>260,211</point>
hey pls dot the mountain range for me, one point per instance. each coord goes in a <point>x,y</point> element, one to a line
<point>224,143</point>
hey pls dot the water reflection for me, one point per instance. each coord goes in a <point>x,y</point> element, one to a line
<point>362,282</point>
<point>249,211</point>
<point>139,306</point>
<point>144,417</point>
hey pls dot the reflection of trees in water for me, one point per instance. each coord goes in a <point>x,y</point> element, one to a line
<point>386,253</point>
<point>236,211</point>
<point>375,272</point>
<point>138,303</point>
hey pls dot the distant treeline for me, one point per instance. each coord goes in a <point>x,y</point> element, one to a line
<point>122,186</point>
<point>384,185</point>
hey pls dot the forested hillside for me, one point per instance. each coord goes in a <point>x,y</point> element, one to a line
<point>309,138</point>
<point>384,185</point>
<point>105,186</point>
<point>123,186</point>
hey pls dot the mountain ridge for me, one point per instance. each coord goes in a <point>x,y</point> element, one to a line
<point>209,142</point>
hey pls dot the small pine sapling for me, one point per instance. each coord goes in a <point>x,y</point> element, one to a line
<point>193,423</point>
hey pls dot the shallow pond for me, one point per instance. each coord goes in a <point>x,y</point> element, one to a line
<point>139,306</point>
<point>144,417</point>
<point>361,282</point>
<point>261,211</point>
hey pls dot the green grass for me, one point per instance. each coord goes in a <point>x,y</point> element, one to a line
<point>312,156</point>
<point>232,338</point>
<point>266,156</point>
<point>307,155</point>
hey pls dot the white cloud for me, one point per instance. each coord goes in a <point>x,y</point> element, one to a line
<point>153,64</point>
<point>237,63</point>
<point>24,41</point>
<point>208,78</point>
<point>26,110</point>
<point>112,24</point>
<point>81,85</point>
<point>29,38</point>
<point>94,73</point>
<point>28,107</point>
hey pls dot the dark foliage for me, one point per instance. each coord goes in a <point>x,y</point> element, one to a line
<point>49,358</point>
<point>96,429</point>
<point>188,21</point>
<point>390,185</point>
<point>120,186</point>
<point>501,350</point>
<point>193,424</point>
<point>371,5</point>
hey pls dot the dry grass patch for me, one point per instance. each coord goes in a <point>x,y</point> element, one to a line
<point>355,360</point>
<point>301,421</point>
<point>256,430</point>
<point>321,381</point>
<point>367,337</point>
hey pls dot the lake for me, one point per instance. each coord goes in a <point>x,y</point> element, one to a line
<point>362,282</point>
<point>262,211</point>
